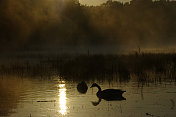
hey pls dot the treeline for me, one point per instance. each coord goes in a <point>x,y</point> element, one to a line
<point>140,22</point>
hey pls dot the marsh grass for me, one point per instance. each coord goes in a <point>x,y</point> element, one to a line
<point>145,67</point>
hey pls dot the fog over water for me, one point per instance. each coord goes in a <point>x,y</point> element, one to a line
<point>53,25</point>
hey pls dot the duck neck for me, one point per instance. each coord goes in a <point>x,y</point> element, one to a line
<point>99,88</point>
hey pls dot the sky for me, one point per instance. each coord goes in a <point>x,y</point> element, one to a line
<point>97,2</point>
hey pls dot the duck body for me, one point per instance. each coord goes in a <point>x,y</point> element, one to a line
<point>109,94</point>
<point>82,87</point>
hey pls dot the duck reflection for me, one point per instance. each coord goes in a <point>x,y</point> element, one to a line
<point>62,99</point>
<point>82,87</point>
<point>108,94</point>
<point>95,103</point>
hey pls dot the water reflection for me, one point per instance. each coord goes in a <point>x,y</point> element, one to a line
<point>95,103</point>
<point>11,92</point>
<point>62,99</point>
<point>120,98</point>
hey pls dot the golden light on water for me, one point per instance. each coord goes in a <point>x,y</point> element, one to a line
<point>62,99</point>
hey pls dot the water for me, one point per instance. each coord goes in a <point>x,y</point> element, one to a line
<point>37,97</point>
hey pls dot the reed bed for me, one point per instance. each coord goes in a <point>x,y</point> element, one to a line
<point>145,67</point>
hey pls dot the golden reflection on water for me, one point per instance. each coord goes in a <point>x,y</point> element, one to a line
<point>62,99</point>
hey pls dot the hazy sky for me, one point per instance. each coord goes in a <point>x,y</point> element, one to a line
<point>98,2</point>
<point>49,23</point>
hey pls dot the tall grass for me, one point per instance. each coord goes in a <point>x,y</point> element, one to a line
<point>145,67</point>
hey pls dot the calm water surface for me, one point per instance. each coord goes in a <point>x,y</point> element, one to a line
<point>29,97</point>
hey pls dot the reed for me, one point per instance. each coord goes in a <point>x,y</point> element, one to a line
<point>146,67</point>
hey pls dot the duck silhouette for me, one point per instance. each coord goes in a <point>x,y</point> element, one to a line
<point>82,87</point>
<point>109,94</point>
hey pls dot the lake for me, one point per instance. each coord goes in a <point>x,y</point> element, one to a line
<point>28,97</point>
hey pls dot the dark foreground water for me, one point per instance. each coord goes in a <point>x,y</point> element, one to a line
<point>55,97</point>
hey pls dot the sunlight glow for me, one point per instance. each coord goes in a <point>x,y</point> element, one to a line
<point>61,85</point>
<point>62,99</point>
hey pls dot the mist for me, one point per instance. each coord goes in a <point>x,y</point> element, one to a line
<point>66,24</point>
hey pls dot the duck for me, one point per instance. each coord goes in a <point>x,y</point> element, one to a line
<point>109,94</point>
<point>82,87</point>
